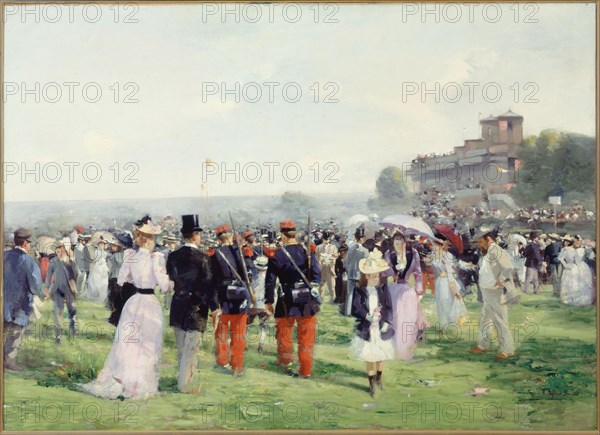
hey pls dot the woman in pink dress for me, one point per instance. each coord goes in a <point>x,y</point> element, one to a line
<point>409,321</point>
<point>131,369</point>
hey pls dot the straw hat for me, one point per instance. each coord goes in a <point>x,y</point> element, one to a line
<point>374,263</point>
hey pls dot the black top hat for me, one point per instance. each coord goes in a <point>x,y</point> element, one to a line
<point>534,235</point>
<point>190,223</point>
<point>360,232</point>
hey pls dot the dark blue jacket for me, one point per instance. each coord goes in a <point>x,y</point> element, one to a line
<point>281,267</point>
<point>224,276</point>
<point>22,280</point>
<point>360,310</point>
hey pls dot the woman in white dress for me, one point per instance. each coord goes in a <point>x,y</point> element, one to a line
<point>132,367</point>
<point>450,307</point>
<point>372,308</point>
<point>97,282</point>
<point>576,286</point>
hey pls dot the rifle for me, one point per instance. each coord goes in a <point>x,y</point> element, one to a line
<point>308,246</point>
<point>241,250</point>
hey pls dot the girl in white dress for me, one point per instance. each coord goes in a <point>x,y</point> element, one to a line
<point>372,308</point>
<point>576,285</point>
<point>132,367</point>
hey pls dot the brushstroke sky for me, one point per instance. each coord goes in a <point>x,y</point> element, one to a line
<point>175,54</point>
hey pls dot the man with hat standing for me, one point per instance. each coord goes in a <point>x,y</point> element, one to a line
<point>498,291</point>
<point>189,268</point>
<point>22,280</point>
<point>533,263</point>
<point>356,252</point>
<point>234,299</point>
<point>551,254</point>
<point>82,260</point>
<point>61,282</point>
<point>327,253</point>
<point>299,302</point>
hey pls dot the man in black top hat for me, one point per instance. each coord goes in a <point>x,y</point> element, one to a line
<point>189,268</point>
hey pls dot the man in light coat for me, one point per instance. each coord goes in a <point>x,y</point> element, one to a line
<point>60,279</point>
<point>498,291</point>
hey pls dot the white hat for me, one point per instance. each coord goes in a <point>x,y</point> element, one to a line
<point>374,263</point>
<point>150,228</point>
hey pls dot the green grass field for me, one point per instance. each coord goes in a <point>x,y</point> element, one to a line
<point>549,385</point>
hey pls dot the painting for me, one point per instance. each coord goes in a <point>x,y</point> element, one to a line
<point>353,216</point>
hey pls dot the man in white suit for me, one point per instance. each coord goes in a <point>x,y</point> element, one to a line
<point>498,291</point>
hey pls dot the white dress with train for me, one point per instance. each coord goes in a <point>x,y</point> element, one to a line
<point>576,285</point>
<point>132,367</point>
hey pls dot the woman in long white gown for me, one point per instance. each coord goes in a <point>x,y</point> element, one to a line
<point>450,307</point>
<point>576,284</point>
<point>97,282</point>
<point>132,367</point>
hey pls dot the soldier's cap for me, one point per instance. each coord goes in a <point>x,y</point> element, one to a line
<point>287,225</point>
<point>23,233</point>
<point>86,236</point>
<point>248,234</point>
<point>223,229</point>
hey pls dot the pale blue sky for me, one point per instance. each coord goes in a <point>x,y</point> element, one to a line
<point>369,53</point>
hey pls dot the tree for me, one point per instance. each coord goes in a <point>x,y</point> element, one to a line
<point>297,204</point>
<point>390,184</point>
<point>392,193</point>
<point>556,162</point>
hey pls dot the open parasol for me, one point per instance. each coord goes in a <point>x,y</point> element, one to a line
<point>409,224</point>
<point>452,235</point>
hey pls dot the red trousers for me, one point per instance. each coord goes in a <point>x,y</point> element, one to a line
<point>235,324</point>
<point>307,329</point>
<point>428,281</point>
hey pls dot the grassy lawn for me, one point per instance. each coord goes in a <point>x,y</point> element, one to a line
<point>549,385</point>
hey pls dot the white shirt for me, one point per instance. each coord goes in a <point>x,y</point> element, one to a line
<point>486,276</point>
<point>144,269</point>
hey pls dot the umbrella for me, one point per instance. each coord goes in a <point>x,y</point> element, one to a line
<point>514,239</point>
<point>355,220</point>
<point>410,224</point>
<point>450,233</point>
<point>105,235</point>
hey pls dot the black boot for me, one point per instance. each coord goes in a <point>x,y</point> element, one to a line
<point>378,380</point>
<point>372,385</point>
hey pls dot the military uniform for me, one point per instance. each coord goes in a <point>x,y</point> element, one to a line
<point>234,300</point>
<point>287,312</point>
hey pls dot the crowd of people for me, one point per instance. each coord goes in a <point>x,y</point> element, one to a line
<point>377,276</point>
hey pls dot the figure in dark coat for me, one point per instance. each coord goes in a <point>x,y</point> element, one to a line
<point>22,280</point>
<point>189,269</point>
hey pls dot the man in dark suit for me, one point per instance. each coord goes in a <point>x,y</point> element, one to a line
<point>533,263</point>
<point>189,268</point>
<point>22,280</point>
<point>551,254</point>
<point>61,282</point>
